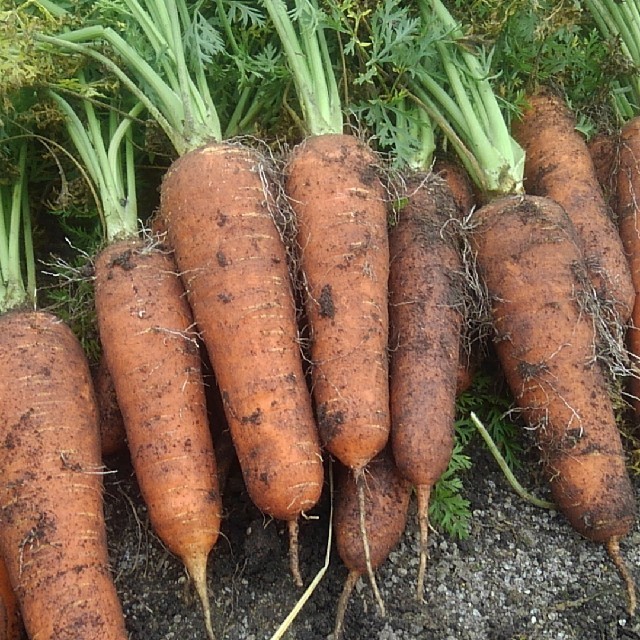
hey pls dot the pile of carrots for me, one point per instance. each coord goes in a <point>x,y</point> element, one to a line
<point>329,290</point>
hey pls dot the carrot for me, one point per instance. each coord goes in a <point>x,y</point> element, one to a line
<point>235,271</point>
<point>112,432</point>
<point>460,185</point>
<point>529,255</point>
<point>341,217</point>
<point>425,295</point>
<point>462,189</point>
<point>11,627</point>
<point>386,504</point>
<point>146,329</point>
<point>548,135</point>
<point>334,188</point>
<point>150,349</point>
<point>52,529</point>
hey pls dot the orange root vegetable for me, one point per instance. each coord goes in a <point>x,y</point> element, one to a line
<point>52,529</point>
<point>384,516</point>
<point>11,627</point>
<point>112,432</point>
<point>628,207</point>
<point>426,314</point>
<point>216,204</point>
<point>339,204</point>
<point>529,255</point>
<point>149,344</point>
<point>558,165</point>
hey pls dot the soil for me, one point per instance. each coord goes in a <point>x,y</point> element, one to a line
<point>522,574</point>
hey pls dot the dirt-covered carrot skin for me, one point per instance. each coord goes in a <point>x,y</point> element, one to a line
<point>216,205</point>
<point>558,165</point>
<point>338,199</point>
<point>529,255</point>
<point>387,503</point>
<point>52,529</point>
<point>148,338</point>
<point>386,497</point>
<point>11,627</point>
<point>628,208</point>
<point>426,315</point>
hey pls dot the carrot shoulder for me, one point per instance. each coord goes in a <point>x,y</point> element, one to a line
<point>529,255</point>
<point>558,165</point>
<point>425,309</point>
<point>335,191</point>
<point>52,529</point>
<point>216,205</point>
<point>150,347</point>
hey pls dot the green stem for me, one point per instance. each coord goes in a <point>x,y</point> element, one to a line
<point>310,67</point>
<point>502,463</point>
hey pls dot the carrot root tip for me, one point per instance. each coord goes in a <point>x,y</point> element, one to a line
<point>294,553</point>
<point>365,543</point>
<point>343,602</point>
<point>613,549</point>
<point>197,568</point>
<point>423,492</point>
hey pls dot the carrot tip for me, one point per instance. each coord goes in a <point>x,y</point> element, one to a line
<point>423,492</point>
<point>294,555</point>
<point>197,568</point>
<point>613,549</point>
<point>365,544</point>
<point>341,610</point>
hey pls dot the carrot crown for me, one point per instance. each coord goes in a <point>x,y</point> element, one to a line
<point>310,64</point>
<point>110,165</point>
<point>460,99</point>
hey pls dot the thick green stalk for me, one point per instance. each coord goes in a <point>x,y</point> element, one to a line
<point>310,66</point>
<point>472,109</point>
<point>105,164</point>
<point>12,290</point>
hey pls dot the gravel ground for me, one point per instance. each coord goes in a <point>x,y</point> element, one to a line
<point>522,574</point>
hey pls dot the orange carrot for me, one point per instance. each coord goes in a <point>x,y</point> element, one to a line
<point>529,255</point>
<point>339,204</point>
<point>150,347</point>
<point>52,529</point>
<point>386,505</point>
<point>548,135</point>
<point>150,350</point>
<point>426,315</point>
<point>603,149</point>
<point>234,266</point>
